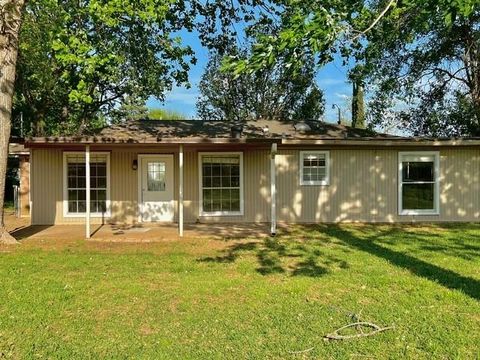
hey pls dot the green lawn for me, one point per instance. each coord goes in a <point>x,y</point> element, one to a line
<point>246,299</point>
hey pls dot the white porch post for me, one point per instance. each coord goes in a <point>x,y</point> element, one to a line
<point>180,191</point>
<point>273,190</point>
<point>87,189</point>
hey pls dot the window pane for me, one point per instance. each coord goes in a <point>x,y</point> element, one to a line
<point>235,170</point>
<point>72,182</point>
<point>226,181</point>
<point>417,171</point>
<point>155,176</point>
<point>81,170</point>
<point>102,169</point>
<point>72,206</point>
<point>225,200</point>
<point>418,196</point>
<point>307,172</point>
<point>235,181</point>
<point>72,195</point>
<point>216,200</point>
<point>101,182</point>
<point>216,181</point>
<point>314,167</point>
<point>221,175</point>
<point>102,195</point>
<point>235,200</point>
<point>207,200</point>
<point>226,170</point>
<point>82,206</point>
<point>81,183</point>
<point>216,170</point>
<point>76,183</point>
<point>207,181</point>
<point>82,195</point>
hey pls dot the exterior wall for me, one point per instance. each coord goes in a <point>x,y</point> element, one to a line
<point>363,186</point>
<point>24,186</point>
<point>47,182</point>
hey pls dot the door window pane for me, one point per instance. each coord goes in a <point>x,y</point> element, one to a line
<point>156,176</point>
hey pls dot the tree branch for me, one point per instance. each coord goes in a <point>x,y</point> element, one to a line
<point>377,19</point>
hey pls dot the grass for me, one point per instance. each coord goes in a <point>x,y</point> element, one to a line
<point>246,299</point>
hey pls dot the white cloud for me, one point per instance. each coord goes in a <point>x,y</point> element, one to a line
<point>183,95</point>
<point>342,96</point>
<point>327,82</point>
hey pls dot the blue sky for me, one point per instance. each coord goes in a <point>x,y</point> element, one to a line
<point>331,78</point>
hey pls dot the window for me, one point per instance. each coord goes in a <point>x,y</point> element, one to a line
<point>314,167</point>
<point>156,176</point>
<point>75,193</point>
<point>418,183</point>
<point>221,185</point>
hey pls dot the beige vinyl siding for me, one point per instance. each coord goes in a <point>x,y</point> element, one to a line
<point>47,198</point>
<point>363,186</point>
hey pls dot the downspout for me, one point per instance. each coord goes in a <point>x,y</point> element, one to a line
<point>273,191</point>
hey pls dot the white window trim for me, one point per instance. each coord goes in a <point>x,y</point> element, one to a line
<point>200,188</point>
<point>420,156</point>
<point>327,168</point>
<point>67,214</point>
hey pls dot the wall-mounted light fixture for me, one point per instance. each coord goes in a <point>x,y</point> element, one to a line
<point>135,164</point>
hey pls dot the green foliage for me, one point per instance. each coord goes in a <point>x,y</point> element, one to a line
<point>165,114</point>
<point>272,93</point>
<point>200,298</point>
<point>420,64</point>
<point>413,55</point>
<point>81,62</point>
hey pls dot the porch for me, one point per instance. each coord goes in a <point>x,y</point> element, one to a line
<point>21,229</point>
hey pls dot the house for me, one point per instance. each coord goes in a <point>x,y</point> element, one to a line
<point>260,172</point>
<point>18,174</point>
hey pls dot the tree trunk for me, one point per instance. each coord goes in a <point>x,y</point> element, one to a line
<point>10,20</point>
<point>358,106</point>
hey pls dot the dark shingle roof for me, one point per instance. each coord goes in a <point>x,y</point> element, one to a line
<point>260,129</point>
<point>198,131</point>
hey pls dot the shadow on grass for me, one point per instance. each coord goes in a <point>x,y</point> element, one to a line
<point>444,277</point>
<point>301,251</point>
<point>275,257</point>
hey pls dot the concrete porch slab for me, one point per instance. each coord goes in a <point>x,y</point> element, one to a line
<point>143,232</point>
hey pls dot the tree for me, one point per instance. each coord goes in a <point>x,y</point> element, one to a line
<point>164,114</point>
<point>422,52</point>
<point>425,57</point>
<point>272,93</point>
<point>358,105</point>
<point>81,63</point>
<point>10,21</point>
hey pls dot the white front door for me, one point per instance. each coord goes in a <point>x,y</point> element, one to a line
<point>156,188</point>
